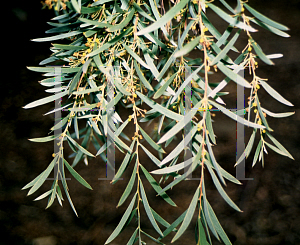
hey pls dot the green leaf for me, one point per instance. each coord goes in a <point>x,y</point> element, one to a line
<point>265,19</point>
<point>223,53</point>
<point>272,114</point>
<point>220,188</point>
<point>227,6</point>
<point>256,153</point>
<point>57,37</point>
<point>124,164</point>
<point>159,108</point>
<point>174,224</point>
<point>76,6</point>
<point>210,26</point>
<point>77,176</point>
<point>150,141</point>
<point>188,47</point>
<point>141,76</point>
<point>135,56</point>
<point>45,139</point>
<point>214,162</point>
<point>123,23</point>
<point>122,222</point>
<point>95,23</point>
<point>42,177</point>
<point>270,28</point>
<point>186,82</point>
<point>179,125</point>
<point>109,43</point>
<point>163,88</point>
<point>47,193</point>
<point>174,168</point>
<point>217,225</point>
<point>51,198</point>
<point>261,54</point>
<point>156,187</point>
<point>131,240</point>
<point>69,47</point>
<point>148,210</point>
<point>46,100</point>
<point>247,150</point>
<point>202,235</point>
<point>274,93</point>
<point>161,220</point>
<point>280,146</point>
<point>188,217</point>
<point>208,219</point>
<point>235,117</point>
<point>129,186</point>
<point>210,127</point>
<point>164,19</point>
<point>51,69</point>
<point>150,155</point>
<point>233,76</point>
<point>79,146</point>
<point>68,195</point>
<point>229,19</point>
<point>152,238</point>
<point>275,149</point>
<point>179,148</point>
<point>74,82</point>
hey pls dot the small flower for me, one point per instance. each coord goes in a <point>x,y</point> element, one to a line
<point>249,49</point>
<point>255,110</point>
<point>254,104</point>
<point>242,10</point>
<point>53,155</point>
<point>257,86</point>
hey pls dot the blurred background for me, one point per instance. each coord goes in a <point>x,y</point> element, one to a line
<point>270,202</point>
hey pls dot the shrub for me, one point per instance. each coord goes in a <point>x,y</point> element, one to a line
<point>134,53</point>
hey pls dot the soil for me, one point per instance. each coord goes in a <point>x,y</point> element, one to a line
<point>270,203</point>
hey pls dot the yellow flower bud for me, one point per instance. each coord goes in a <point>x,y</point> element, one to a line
<point>249,49</point>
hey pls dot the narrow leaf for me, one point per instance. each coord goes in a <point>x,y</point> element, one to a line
<point>157,187</point>
<point>148,210</point>
<point>79,146</point>
<point>43,177</point>
<point>188,217</point>
<point>125,217</point>
<point>129,186</point>
<point>45,100</point>
<point>274,93</point>
<point>265,19</point>
<point>77,176</point>
<point>164,19</point>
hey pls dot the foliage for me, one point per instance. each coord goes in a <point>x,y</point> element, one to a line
<point>148,42</point>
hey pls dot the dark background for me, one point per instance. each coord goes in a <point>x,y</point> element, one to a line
<point>270,202</point>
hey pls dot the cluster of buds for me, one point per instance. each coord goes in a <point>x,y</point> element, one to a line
<point>137,135</point>
<point>81,55</point>
<point>51,3</point>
